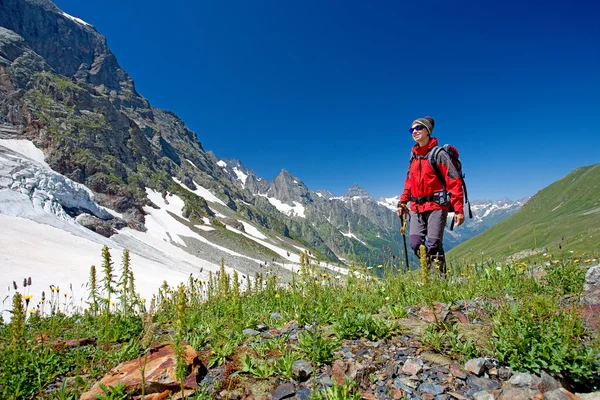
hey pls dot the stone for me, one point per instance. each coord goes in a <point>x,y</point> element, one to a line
<point>482,383</point>
<point>436,315</point>
<point>302,369</point>
<point>514,393</point>
<point>412,366</point>
<point>548,383</point>
<point>432,388</point>
<point>588,396</point>
<point>504,373</point>
<point>475,366</point>
<point>560,394</point>
<point>591,289</point>
<point>303,394</point>
<point>524,381</point>
<point>338,374</point>
<point>283,392</point>
<point>250,332</point>
<point>457,372</point>
<point>483,395</point>
<point>159,373</point>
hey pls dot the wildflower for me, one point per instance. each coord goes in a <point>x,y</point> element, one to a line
<point>498,268</point>
<point>469,277</point>
<point>520,269</point>
<point>575,261</point>
<point>380,266</point>
<point>588,260</point>
<point>27,298</point>
<point>556,261</point>
<point>31,311</point>
<point>276,295</point>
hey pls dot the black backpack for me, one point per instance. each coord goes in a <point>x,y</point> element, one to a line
<point>453,154</point>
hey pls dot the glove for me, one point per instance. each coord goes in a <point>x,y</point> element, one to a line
<point>402,209</point>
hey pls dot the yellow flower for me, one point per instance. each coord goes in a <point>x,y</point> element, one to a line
<point>380,266</point>
<point>27,298</point>
<point>31,311</point>
<point>556,261</point>
<point>469,277</point>
<point>575,261</point>
<point>276,295</point>
<point>588,260</point>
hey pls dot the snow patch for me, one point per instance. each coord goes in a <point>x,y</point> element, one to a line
<point>75,19</point>
<point>241,176</point>
<point>202,192</point>
<point>252,230</point>
<point>221,163</point>
<point>296,210</point>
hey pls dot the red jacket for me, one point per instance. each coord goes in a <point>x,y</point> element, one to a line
<point>421,181</point>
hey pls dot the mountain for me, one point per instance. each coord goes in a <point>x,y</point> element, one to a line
<point>563,217</point>
<point>86,161</point>
<point>486,213</point>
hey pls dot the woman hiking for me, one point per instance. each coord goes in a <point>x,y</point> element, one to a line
<point>430,199</point>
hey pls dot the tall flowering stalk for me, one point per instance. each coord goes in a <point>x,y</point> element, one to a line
<point>181,367</point>
<point>124,281</point>
<point>17,325</point>
<point>424,265</point>
<point>93,297</point>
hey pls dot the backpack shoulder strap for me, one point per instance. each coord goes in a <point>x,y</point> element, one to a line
<point>433,162</point>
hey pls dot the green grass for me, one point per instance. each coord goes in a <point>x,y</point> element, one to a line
<point>359,305</point>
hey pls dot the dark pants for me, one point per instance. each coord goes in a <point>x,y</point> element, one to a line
<point>429,224</point>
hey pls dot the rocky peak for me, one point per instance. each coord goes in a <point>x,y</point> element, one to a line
<point>357,191</point>
<point>288,189</point>
<point>68,44</point>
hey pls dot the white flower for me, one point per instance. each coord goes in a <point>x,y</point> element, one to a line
<point>498,268</point>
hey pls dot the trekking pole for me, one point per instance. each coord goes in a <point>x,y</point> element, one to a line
<point>402,229</point>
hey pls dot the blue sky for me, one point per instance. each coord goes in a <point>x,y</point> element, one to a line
<point>328,89</point>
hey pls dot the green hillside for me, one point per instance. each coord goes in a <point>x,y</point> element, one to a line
<point>561,218</point>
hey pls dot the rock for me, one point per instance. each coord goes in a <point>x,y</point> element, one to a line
<point>302,369</point>
<point>482,383</point>
<point>548,383</point>
<point>560,394</point>
<point>524,381</point>
<point>475,366</point>
<point>436,315</point>
<point>457,372</point>
<point>483,395</point>
<point>432,388</point>
<point>589,396</point>
<point>303,394</point>
<point>412,366</point>
<point>591,288</point>
<point>250,332</point>
<point>504,373</point>
<point>513,393</point>
<point>339,372</point>
<point>159,373</point>
<point>283,392</point>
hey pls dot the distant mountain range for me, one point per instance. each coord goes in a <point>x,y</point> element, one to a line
<point>82,152</point>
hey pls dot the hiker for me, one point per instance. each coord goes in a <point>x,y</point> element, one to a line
<point>425,192</point>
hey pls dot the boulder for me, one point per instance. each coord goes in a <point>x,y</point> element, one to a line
<point>591,288</point>
<point>159,373</point>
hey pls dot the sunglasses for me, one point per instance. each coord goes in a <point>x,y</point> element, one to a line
<point>416,128</point>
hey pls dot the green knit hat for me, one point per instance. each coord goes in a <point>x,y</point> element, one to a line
<point>427,122</point>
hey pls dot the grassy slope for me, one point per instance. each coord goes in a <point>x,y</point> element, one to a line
<point>562,217</point>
